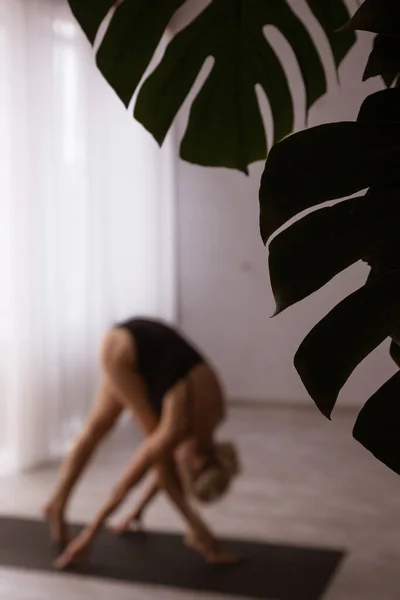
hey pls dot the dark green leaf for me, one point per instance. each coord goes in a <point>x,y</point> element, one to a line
<point>306,255</point>
<point>225,119</point>
<point>395,353</point>
<point>384,260</point>
<point>378,424</point>
<point>225,126</point>
<point>325,163</point>
<point>338,343</point>
<point>90,14</point>
<point>384,59</point>
<point>332,16</point>
<point>381,106</point>
<point>131,40</point>
<point>377,16</point>
<point>389,79</point>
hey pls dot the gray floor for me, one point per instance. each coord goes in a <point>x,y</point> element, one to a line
<point>305,481</point>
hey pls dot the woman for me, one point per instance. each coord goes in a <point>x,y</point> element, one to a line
<point>175,397</point>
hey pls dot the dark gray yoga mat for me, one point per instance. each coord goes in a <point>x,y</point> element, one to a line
<point>268,571</point>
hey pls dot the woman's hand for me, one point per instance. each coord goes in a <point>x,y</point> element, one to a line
<point>77,551</point>
<point>133,522</point>
<point>210,549</point>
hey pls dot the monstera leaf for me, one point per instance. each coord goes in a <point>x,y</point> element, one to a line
<point>377,426</point>
<point>381,17</point>
<point>314,249</point>
<point>307,171</point>
<point>377,16</point>
<point>225,126</point>
<point>384,59</point>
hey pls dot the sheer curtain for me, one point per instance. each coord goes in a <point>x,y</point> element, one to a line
<point>86,227</point>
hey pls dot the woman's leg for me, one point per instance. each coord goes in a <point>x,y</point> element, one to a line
<point>103,417</point>
<point>119,363</point>
<point>122,388</point>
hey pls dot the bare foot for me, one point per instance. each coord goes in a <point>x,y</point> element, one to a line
<point>54,513</point>
<point>77,552</point>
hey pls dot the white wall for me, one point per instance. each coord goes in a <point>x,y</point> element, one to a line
<point>224,294</point>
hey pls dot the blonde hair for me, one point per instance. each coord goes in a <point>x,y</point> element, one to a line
<point>215,480</point>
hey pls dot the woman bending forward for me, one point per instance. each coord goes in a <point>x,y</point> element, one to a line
<point>174,395</point>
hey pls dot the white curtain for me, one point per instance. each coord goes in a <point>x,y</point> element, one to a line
<point>86,227</point>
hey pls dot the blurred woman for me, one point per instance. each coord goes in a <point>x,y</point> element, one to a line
<point>174,395</point>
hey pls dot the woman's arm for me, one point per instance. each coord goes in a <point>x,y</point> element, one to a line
<point>150,493</point>
<point>136,515</point>
<point>158,445</point>
<point>171,483</point>
<point>199,537</point>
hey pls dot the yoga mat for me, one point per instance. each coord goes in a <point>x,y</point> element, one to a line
<point>267,571</point>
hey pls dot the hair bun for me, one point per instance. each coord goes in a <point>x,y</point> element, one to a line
<point>228,457</point>
<point>216,479</point>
